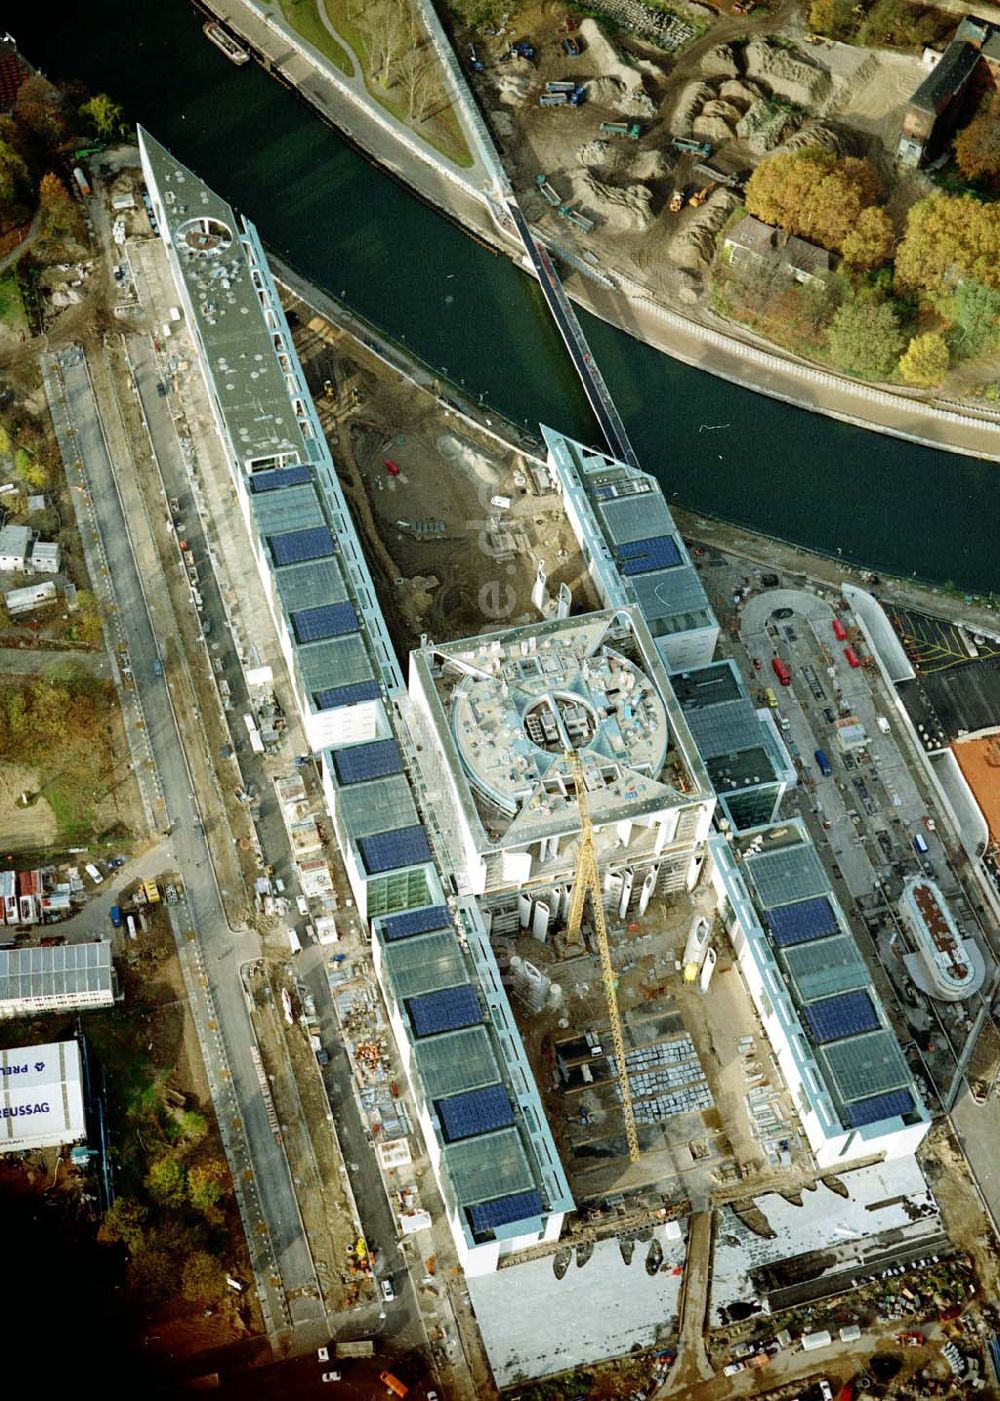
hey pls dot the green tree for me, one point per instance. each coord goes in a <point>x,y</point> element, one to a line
<point>865,338</point>
<point>831,17</point>
<point>977,313</point>
<point>105,116</point>
<point>166,1181</point>
<point>203,1279</point>
<point>5,443</point>
<point>124,1223</point>
<point>153,1273</point>
<point>977,146</point>
<point>925,361</point>
<point>192,1125</point>
<point>949,238</point>
<point>869,243</point>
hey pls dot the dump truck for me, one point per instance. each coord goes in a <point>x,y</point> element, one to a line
<point>152,891</point>
<point>698,148</point>
<point>547,192</point>
<point>631,130</point>
<point>553,99</point>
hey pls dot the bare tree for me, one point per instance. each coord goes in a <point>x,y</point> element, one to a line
<point>384,27</point>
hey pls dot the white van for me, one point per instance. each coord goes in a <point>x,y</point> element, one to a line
<point>93,873</point>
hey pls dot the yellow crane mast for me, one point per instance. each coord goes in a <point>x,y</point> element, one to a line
<point>588,879</point>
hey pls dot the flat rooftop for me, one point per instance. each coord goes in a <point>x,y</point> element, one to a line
<point>247,376</point>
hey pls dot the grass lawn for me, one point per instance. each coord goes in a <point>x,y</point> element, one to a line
<point>302,15</point>
<point>11,307</point>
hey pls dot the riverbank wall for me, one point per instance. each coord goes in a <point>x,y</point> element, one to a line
<point>472,204</point>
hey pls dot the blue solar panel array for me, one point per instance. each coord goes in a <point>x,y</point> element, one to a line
<point>296,546</point>
<point>848,1014</point>
<point>878,1107</point>
<point>519,1206</point>
<point>277,477</point>
<point>388,851</point>
<point>802,922</point>
<point>346,695</point>
<point>448,1009</point>
<point>412,922</point>
<point>643,556</point>
<point>478,1111</point>
<point>364,761</point>
<point>331,620</point>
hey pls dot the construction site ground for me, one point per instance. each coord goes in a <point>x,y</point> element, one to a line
<point>625,185</point>
<point>687,1155</point>
<point>478,572</point>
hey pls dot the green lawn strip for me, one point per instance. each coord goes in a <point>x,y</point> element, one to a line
<point>11,306</point>
<point>452,145</point>
<point>304,19</point>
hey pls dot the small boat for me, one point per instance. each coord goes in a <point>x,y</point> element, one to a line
<point>235,52</point>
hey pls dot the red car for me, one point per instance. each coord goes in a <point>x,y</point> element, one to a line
<point>392,467</point>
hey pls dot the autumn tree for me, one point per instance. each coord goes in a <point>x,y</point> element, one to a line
<point>865,338</point>
<point>15,183</point>
<point>124,1222</point>
<point>947,239</point>
<point>60,214</point>
<point>977,146</point>
<point>104,115</point>
<point>925,361</point>
<point>38,108</point>
<point>813,193</point>
<point>869,243</point>
<point>977,315</point>
<point>831,17</point>
<point>207,1184</point>
<point>203,1279</point>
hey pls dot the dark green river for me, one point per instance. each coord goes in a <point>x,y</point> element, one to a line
<point>352,230</point>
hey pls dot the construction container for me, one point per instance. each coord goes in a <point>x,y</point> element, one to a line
<point>812,1341</point>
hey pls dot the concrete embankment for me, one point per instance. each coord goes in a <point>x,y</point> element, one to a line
<point>465,198</point>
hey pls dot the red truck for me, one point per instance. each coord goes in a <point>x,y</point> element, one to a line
<point>839,631</point>
<point>781,671</point>
<point>852,657</point>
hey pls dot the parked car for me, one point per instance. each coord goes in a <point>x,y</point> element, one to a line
<point>392,467</point>
<point>323,1354</point>
<point>331,1377</point>
<point>733,1368</point>
<point>782,613</point>
<point>388,1293</point>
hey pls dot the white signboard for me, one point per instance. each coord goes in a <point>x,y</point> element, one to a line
<point>41,1097</point>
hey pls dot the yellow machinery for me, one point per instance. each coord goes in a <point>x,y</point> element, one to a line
<point>588,879</point>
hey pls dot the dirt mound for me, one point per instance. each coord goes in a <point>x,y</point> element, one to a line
<point>720,62</point>
<point>624,208</point>
<point>785,74</point>
<point>691,100</point>
<point>765,124</point>
<point>596,153</point>
<point>501,122</point>
<point>604,92</point>
<point>712,128</point>
<point>513,88</point>
<point>741,92</point>
<point>820,133</point>
<point>636,102</point>
<point>694,246</point>
<point>609,62</point>
<point>648,165</point>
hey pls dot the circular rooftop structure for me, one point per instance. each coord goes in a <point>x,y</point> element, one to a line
<point>207,237</point>
<point>515,719</point>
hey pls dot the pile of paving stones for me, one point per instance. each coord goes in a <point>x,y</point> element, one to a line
<point>659,27</point>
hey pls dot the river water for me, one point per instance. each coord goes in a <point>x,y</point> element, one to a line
<point>352,230</point>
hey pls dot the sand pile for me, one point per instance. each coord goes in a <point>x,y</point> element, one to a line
<point>741,92</point>
<point>716,122</point>
<point>501,122</point>
<point>604,92</point>
<point>785,74</point>
<point>624,208</point>
<point>693,248</point>
<point>690,101</point>
<point>648,165</point>
<point>620,84</point>
<point>720,62</point>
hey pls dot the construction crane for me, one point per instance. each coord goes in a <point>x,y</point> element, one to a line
<point>588,879</point>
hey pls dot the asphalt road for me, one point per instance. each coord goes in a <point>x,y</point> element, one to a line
<point>285,1275</point>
